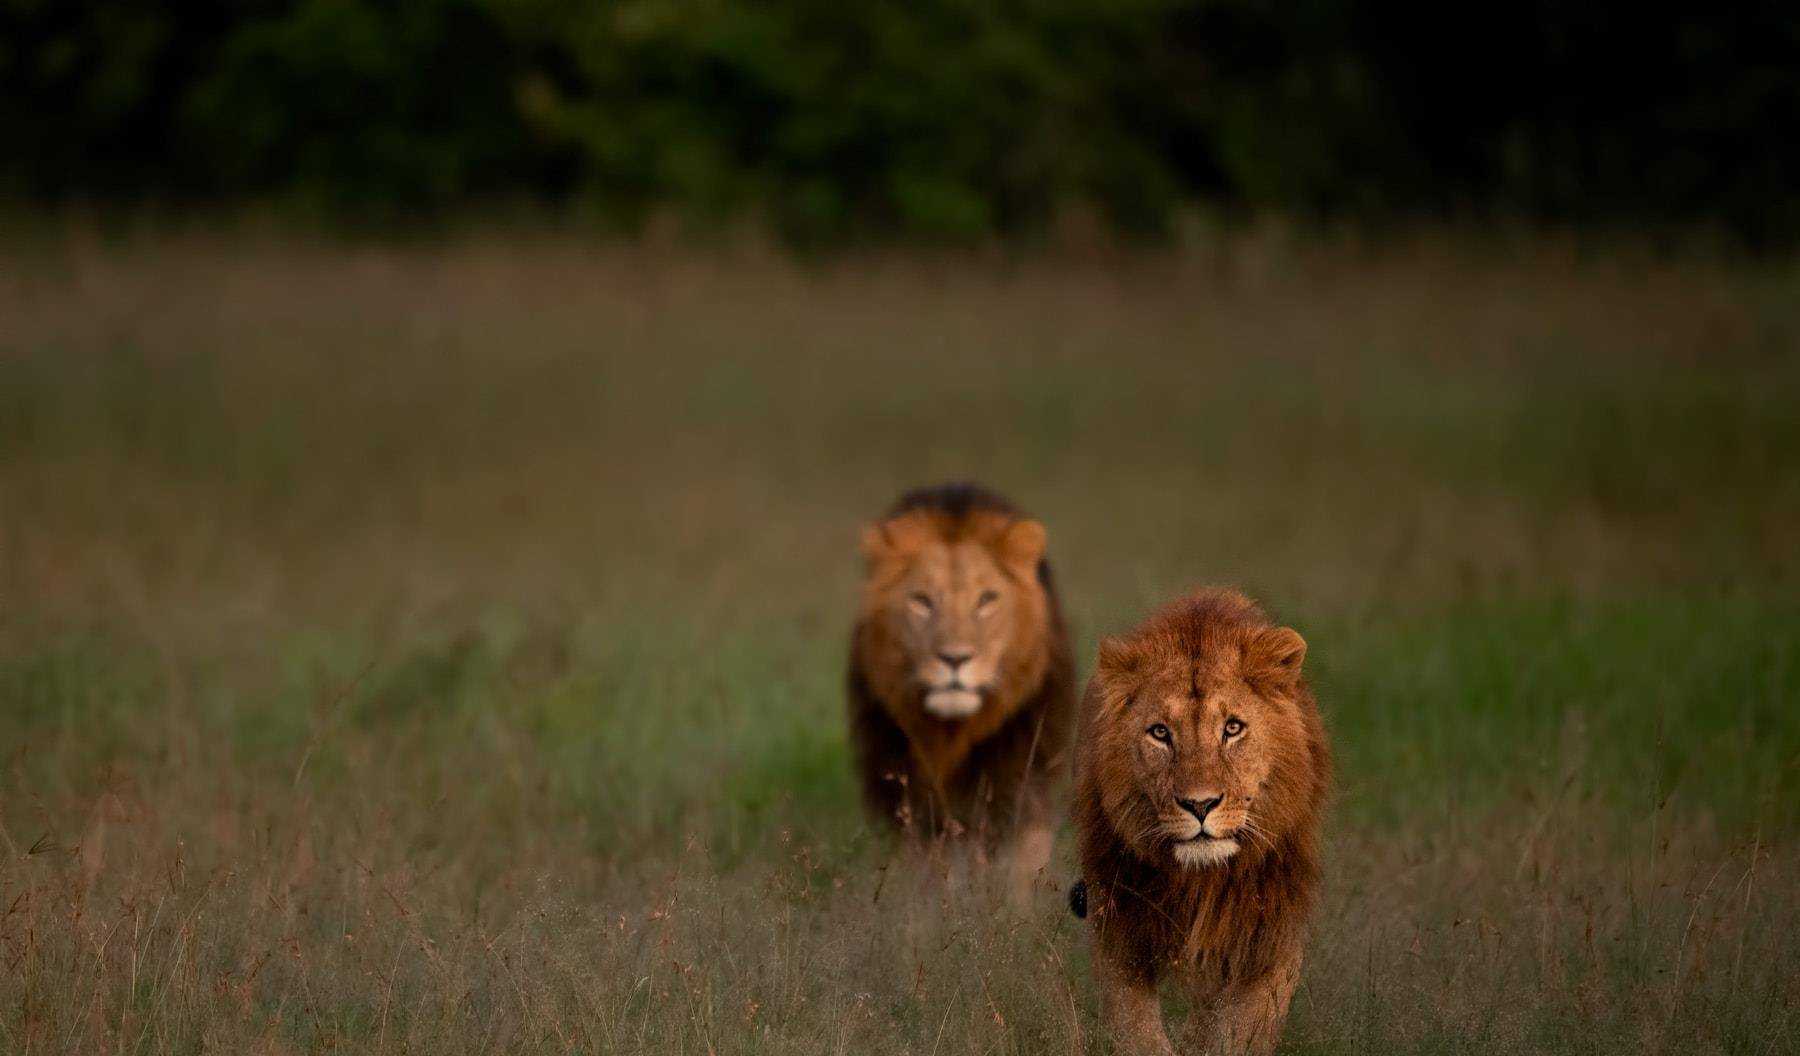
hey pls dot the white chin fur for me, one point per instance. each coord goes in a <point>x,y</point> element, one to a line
<point>953,703</point>
<point>1205,852</point>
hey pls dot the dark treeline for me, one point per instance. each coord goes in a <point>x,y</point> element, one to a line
<point>933,118</point>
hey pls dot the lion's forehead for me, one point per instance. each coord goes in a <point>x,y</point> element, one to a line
<point>1203,684</point>
<point>955,567</point>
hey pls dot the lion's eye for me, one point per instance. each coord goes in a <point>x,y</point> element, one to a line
<point>985,604</point>
<point>919,603</point>
<point>1233,727</point>
<point>1160,733</point>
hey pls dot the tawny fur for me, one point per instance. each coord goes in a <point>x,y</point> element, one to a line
<point>1232,928</point>
<point>989,773</point>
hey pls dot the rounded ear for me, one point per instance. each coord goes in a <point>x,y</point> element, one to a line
<point>1116,673</point>
<point>1119,656</point>
<point>877,544</point>
<point>1023,543</point>
<point>1281,649</point>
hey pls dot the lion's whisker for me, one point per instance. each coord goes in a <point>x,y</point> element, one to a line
<point>1257,832</point>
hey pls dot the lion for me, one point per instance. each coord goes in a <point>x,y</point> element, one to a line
<point>961,688</point>
<point>1201,775</point>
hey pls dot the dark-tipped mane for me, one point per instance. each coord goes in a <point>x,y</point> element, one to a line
<point>957,499</point>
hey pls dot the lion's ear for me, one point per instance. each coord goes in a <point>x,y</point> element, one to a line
<point>877,544</point>
<point>1279,651</point>
<point>1119,657</point>
<point>1116,675</point>
<point>1023,543</point>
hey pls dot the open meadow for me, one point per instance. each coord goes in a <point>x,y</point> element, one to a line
<point>440,648</point>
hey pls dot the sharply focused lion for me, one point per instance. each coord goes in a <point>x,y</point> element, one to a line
<point>1201,775</point>
<point>961,682</point>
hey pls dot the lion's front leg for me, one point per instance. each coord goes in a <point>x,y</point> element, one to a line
<point>1246,1018</point>
<point>1027,857</point>
<point>1200,1032</point>
<point>1128,1003</point>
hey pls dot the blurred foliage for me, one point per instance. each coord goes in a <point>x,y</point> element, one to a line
<point>951,119</point>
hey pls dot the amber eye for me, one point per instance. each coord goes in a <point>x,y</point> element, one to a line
<point>1159,732</point>
<point>920,604</point>
<point>1233,727</point>
<point>986,602</point>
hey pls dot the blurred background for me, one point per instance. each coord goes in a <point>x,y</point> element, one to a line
<point>943,119</point>
<point>434,436</point>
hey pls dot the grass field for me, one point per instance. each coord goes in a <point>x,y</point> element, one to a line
<point>438,649</point>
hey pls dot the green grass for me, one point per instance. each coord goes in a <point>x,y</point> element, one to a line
<point>440,650</point>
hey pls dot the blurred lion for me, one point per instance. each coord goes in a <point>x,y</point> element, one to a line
<point>961,690</point>
<point>1201,777</point>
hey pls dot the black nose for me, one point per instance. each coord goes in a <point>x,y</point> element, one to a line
<point>1199,808</point>
<point>956,657</point>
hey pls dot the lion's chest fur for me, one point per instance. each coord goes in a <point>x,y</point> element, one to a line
<point>1226,922</point>
<point>940,748</point>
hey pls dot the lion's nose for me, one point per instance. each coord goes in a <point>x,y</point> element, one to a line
<point>1199,808</point>
<point>956,657</point>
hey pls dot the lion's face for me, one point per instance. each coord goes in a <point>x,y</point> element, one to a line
<point>1202,754</point>
<point>961,612</point>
